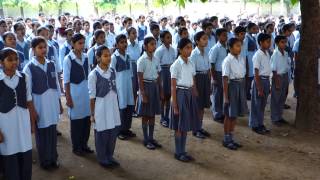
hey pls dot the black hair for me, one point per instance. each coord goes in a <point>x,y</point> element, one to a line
<point>285,27</point>
<point>141,16</point>
<point>120,37</point>
<point>181,30</point>
<point>154,26</point>
<point>225,24</point>
<point>178,20</point>
<point>263,37</point>
<point>27,19</point>
<point>37,40</point>
<point>126,20</point>
<point>163,34</point>
<point>49,26</point>
<point>42,28</point>
<point>17,25</point>
<point>183,43</point>
<point>86,22</point>
<point>198,36</point>
<point>250,25</point>
<point>270,24</point>
<point>220,31</point>
<point>95,25</point>
<point>164,19</point>
<point>6,34</point>
<point>232,42</point>
<point>278,38</point>
<point>3,22</point>
<point>5,52</point>
<point>77,37</point>
<point>100,49</point>
<point>213,18</point>
<point>146,41</point>
<point>206,24</point>
<point>96,34</point>
<point>104,22</point>
<point>130,29</point>
<point>60,17</point>
<point>239,29</point>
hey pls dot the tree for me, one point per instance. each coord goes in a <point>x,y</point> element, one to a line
<point>308,109</point>
<point>1,9</point>
<point>162,3</point>
<point>16,3</point>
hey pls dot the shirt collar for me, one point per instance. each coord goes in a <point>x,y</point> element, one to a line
<point>3,75</point>
<point>131,44</point>
<point>101,71</point>
<point>36,62</point>
<point>67,45</point>
<point>73,56</point>
<point>116,53</point>
<point>181,61</point>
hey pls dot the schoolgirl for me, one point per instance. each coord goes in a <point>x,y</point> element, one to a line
<point>66,47</point>
<point>99,39</point>
<point>9,40</point>
<point>22,44</point>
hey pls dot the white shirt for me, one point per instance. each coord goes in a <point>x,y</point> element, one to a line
<point>166,55</point>
<point>234,67</point>
<point>200,61</point>
<point>183,72</point>
<point>149,68</point>
<point>280,62</point>
<point>261,61</point>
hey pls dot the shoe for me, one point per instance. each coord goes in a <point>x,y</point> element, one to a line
<point>181,158</point>
<point>122,136</point>
<point>59,133</point>
<point>219,119</point>
<point>237,144</point>
<point>189,157</point>
<point>277,123</point>
<point>286,106</point>
<point>55,165</point>
<point>114,162</point>
<point>107,165</point>
<point>258,130</point>
<point>130,134</point>
<point>78,152</point>
<point>45,166</point>
<point>149,145</point>
<point>135,115</point>
<point>164,123</point>
<point>265,130</point>
<point>199,135</point>
<point>87,150</point>
<point>229,145</point>
<point>283,121</point>
<point>155,143</point>
<point>205,133</point>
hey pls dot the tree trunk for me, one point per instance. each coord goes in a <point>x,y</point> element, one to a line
<point>271,8</point>
<point>77,8</point>
<point>308,106</point>
<point>40,8</point>
<point>1,9</point>
<point>146,3</point>
<point>60,8</point>
<point>21,11</point>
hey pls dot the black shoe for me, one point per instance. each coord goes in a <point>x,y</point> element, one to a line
<point>181,158</point>
<point>199,135</point>
<point>149,145</point>
<point>55,165</point>
<point>78,152</point>
<point>205,133</point>
<point>286,106</point>
<point>164,123</point>
<point>107,165</point>
<point>219,119</point>
<point>155,143</point>
<point>189,157</point>
<point>130,134</point>
<point>59,133</point>
<point>114,162</point>
<point>87,150</point>
<point>237,144</point>
<point>45,166</point>
<point>264,129</point>
<point>277,123</point>
<point>122,136</point>
<point>283,121</point>
<point>258,130</point>
<point>230,145</point>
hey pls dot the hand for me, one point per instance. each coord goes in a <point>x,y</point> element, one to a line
<point>144,98</point>
<point>33,128</point>
<point>175,110</point>
<point>277,81</point>
<point>92,119</point>
<point>1,137</point>
<point>61,109</point>
<point>195,92</point>
<point>69,102</point>
<point>33,116</point>
<point>260,93</point>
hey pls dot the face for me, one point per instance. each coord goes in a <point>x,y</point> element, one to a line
<point>270,29</point>
<point>106,27</point>
<point>45,34</point>
<point>254,30</point>
<point>40,50</point>
<point>101,39</point>
<point>122,45</point>
<point>111,28</point>
<point>156,33</point>
<point>203,42</point>
<point>265,44</point>
<point>164,23</point>
<point>79,45</point>
<point>78,26</point>
<point>86,27</point>
<point>151,46</point>
<point>142,19</point>
<point>241,36</point>
<point>129,24</point>
<point>29,22</point>
<point>223,37</point>
<point>52,22</point>
<point>282,44</point>
<point>36,26</point>
<point>21,31</point>
<point>3,28</point>
<point>69,35</point>
<point>208,30</point>
<point>167,39</point>
<point>133,35</point>
<point>9,24</point>
<point>184,34</point>
<point>194,26</point>
<point>51,33</point>
<point>105,58</point>
<point>63,21</point>
<point>10,41</point>
<point>215,24</point>
<point>183,24</point>
<point>10,63</point>
<point>186,51</point>
<point>236,48</point>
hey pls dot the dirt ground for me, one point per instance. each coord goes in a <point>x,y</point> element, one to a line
<point>285,154</point>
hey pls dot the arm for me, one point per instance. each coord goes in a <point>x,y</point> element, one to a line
<point>225,89</point>
<point>174,96</point>
<point>92,81</point>
<point>66,79</point>
<point>258,82</point>
<point>92,108</point>
<point>141,87</point>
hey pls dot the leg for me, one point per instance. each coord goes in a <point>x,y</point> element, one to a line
<point>101,142</point>
<point>76,128</point>
<point>112,144</point>
<point>53,144</point>
<point>86,135</point>
<point>25,165</point>
<point>44,146</point>
<point>11,167</point>
<point>128,123</point>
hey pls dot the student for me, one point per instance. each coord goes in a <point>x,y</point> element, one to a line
<point>251,44</point>
<point>126,24</point>
<point>182,33</point>
<point>15,124</point>
<point>60,34</point>
<point>111,37</point>
<point>3,29</point>
<point>166,54</point>
<point>207,28</point>
<point>120,62</point>
<point>75,76</point>
<point>163,24</point>
<point>184,110</point>
<point>66,47</point>
<point>104,107</point>
<point>233,72</point>
<point>9,40</point>
<point>216,56</point>
<point>98,40</point>
<point>228,26</point>
<point>269,29</point>
<point>202,79</point>
<point>261,85</point>
<point>142,29</point>
<point>280,66</point>
<point>22,44</point>
<point>155,32</point>
<point>77,26</point>
<point>87,33</point>
<point>149,87</point>
<point>240,33</point>
<point>51,41</point>
<point>44,82</point>
<point>134,51</point>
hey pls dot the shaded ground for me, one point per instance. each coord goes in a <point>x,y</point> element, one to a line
<point>286,154</point>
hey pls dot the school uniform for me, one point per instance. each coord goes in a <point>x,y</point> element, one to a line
<point>76,73</point>
<point>158,40</point>
<point>45,88</point>
<point>142,32</point>
<point>235,69</point>
<point>217,55</point>
<point>15,126</point>
<point>150,69</point>
<point>55,44</point>
<point>24,47</point>
<point>1,43</point>
<point>121,65</point>
<point>134,51</point>
<point>102,88</point>
<point>211,43</point>
<point>88,36</point>
<point>252,47</point>
<point>280,63</point>
<point>110,40</point>
<point>22,61</point>
<point>261,61</point>
<point>230,35</point>
<point>92,56</point>
<point>63,52</point>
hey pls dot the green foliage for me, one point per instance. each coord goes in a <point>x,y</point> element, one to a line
<point>162,3</point>
<point>182,3</point>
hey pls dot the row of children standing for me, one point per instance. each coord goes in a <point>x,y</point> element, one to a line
<point>92,82</point>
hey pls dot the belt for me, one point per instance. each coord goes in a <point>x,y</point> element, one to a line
<point>183,87</point>
<point>264,77</point>
<point>165,65</point>
<point>237,80</point>
<point>201,72</point>
<point>149,81</point>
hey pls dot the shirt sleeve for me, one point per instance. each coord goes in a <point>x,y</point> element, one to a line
<point>92,80</point>
<point>226,68</point>
<point>213,54</point>
<point>140,65</point>
<point>29,87</point>
<point>256,61</point>
<point>90,56</point>
<point>174,71</point>
<point>66,70</point>
<point>62,51</point>
<point>158,53</point>
<point>274,62</point>
<point>296,47</point>
<point>113,62</point>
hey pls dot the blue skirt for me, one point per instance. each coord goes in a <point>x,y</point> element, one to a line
<point>188,119</point>
<point>152,107</point>
<point>166,80</point>
<point>204,90</point>
<point>135,86</point>
<point>237,99</point>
